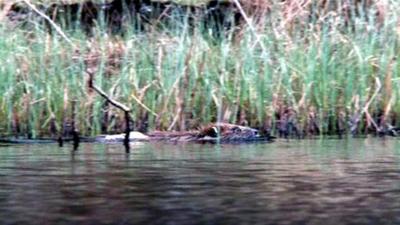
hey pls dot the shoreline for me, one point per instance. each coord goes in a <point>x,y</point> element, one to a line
<point>297,77</point>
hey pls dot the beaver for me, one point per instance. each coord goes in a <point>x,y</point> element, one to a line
<point>213,133</point>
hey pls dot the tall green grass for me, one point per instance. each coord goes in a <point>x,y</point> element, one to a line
<point>177,78</point>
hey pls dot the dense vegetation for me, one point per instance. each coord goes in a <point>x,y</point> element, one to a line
<point>314,67</point>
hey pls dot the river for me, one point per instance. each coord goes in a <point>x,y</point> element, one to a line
<point>350,181</point>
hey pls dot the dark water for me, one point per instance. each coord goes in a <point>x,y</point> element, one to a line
<point>355,181</point>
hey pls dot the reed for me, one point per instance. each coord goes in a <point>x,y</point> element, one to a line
<point>300,68</point>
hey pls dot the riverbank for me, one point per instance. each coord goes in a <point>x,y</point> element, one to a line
<point>294,70</point>
<point>301,182</point>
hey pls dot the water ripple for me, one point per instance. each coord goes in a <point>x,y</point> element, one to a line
<point>289,183</point>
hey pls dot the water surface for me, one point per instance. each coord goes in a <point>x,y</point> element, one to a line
<point>354,181</point>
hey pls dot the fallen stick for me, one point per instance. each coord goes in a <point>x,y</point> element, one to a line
<point>115,103</point>
<point>110,100</point>
<point>52,23</point>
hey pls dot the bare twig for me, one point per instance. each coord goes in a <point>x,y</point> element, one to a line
<point>52,23</point>
<point>110,100</point>
<point>115,103</point>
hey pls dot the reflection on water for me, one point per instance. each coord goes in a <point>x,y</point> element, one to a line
<point>355,181</point>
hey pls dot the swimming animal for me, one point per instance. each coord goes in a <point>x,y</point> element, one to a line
<point>213,133</point>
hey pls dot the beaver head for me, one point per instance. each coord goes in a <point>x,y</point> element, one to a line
<point>228,132</point>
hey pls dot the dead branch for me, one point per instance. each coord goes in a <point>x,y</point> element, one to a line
<point>109,99</point>
<point>115,103</point>
<point>52,23</point>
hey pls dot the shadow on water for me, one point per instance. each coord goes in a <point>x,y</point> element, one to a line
<point>353,181</point>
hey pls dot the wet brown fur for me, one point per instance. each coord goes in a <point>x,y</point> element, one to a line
<point>212,132</point>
